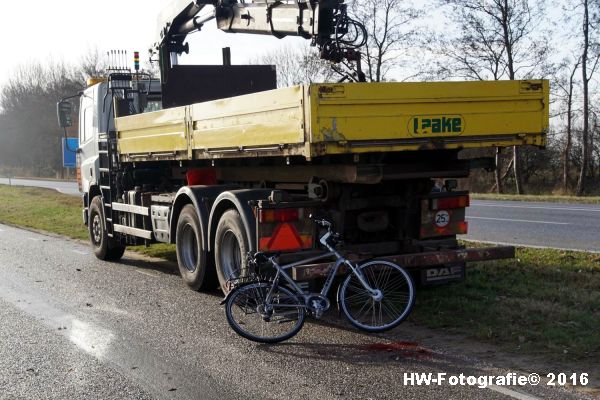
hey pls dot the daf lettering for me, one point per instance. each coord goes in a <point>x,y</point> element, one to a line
<point>443,272</point>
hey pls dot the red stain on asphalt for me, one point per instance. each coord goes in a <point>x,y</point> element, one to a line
<point>405,349</point>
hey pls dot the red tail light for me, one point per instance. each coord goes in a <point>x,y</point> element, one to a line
<point>462,228</point>
<point>446,203</point>
<point>455,228</point>
<point>278,215</point>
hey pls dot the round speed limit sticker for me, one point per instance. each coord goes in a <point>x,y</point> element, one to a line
<point>442,218</point>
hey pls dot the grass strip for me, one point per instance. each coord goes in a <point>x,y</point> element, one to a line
<point>543,302</point>
<point>51,211</point>
<point>43,209</point>
<point>538,198</point>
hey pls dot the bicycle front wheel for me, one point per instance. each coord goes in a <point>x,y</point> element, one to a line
<point>251,317</point>
<point>396,296</point>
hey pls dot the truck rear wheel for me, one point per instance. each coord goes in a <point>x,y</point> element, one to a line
<point>105,248</point>
<point>195,267</point>
<point>231,248</point>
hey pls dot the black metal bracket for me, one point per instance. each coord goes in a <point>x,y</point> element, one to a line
<point>270,8</point>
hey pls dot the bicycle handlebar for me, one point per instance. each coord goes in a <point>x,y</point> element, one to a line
<point>320,221</point>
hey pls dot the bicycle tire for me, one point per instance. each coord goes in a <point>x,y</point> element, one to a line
<point>398,291</point>
<point>243,311</point>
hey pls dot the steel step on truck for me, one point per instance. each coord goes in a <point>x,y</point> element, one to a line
<point>218,161</point>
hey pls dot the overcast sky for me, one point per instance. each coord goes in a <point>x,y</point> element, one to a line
<point>65,29</point>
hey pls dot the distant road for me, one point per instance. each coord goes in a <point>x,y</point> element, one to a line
<point>62,186</point>
<point>556,225</point>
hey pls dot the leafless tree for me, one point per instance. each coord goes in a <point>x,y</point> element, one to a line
<point>496,39</point>
<point>297,65</point>
<point>29,134</point>
<point>595,147</point>
<point>391,33</point>
<point>566,90</point>
<point>493,40</point>
<point>590,59</point>
<point>151,68</point>
<point>92,64</point>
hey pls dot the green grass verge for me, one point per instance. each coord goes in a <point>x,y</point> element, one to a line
<point>51,211</point>
<point>43,209</point>
<point>542,198</point>
<point>543,302</point>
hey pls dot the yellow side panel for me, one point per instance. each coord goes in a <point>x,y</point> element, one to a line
<point>269,118</point>
<point>155,132</point>
<point>409,116</point>
<point>323,119</point>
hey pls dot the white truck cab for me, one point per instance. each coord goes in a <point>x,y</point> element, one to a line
<point>96,118</point>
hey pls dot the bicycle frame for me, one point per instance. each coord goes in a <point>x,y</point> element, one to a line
<point>256,302</point>
<point>330,277</point>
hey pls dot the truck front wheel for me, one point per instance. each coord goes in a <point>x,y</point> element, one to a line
<point>231,248</point>
<point>105,248</point>
<point>195,267</point>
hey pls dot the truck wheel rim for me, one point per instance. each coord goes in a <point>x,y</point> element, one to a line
<point>231,256</point>
<point>96,229</point>
<point>189,248</point>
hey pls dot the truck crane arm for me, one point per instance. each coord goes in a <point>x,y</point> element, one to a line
<point>324,22</point>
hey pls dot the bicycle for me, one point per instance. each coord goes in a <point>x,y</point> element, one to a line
<point>375,296</point>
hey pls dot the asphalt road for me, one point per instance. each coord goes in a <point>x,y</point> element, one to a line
<point>566,226</point>
<point>75,327</point>
<point>61,186</point>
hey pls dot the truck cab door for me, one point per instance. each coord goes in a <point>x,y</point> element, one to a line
<point>88,144</point>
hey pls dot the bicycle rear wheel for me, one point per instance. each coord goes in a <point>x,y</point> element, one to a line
<point>372,314</point>
<point>252,318</point>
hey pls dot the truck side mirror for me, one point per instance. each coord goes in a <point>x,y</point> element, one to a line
<point>63,110</point>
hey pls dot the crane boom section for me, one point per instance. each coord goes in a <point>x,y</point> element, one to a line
<point>275,18</point>
<point>325,22</point>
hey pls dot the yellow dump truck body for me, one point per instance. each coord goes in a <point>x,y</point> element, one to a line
<point>326,119</point>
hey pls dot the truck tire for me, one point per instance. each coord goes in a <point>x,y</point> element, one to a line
<point>105,248</point>
<point>231,248</point>
<point>195,267</point>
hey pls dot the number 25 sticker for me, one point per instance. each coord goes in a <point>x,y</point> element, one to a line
<point>442,218</point>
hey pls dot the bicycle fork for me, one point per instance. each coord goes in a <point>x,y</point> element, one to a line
<point>375,293</point>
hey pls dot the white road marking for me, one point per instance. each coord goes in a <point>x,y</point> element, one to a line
<point>531,245</point>
<point>535,207</point>
<point>520,220</point>
<point>512,393</point>
<point>83,253</point>
<point>146,273</point>
<point>33,239</point>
